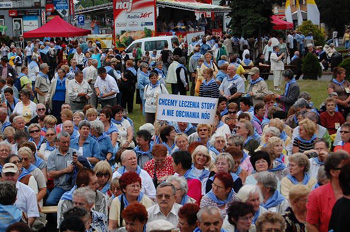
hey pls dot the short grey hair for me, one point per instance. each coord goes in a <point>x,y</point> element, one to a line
<point>268,180</point>
<point>84,123</point>
<point>25,151</point>
<point>67,121</point>
<point>211,210</point>
<point>40,104</point>
<point>182,60</point>
<point>229,159</point>
<point>94,61</point>
<point>181,180</point>
<point>312,116</point>
<point>273,130</point>
<point>301,160</point>
<point>125,153</point>
<point>15,119</point>
<point>6,144</point>
<point>143,65</point>
<point>63,134</point>
<point>159,63</point>
<point>167,184</point>
<point>43,66</point>
<point>87,193</point>
<point>246,191</point>
<point>237,140</point>
<point>98,126</point>
<point>301,103</point>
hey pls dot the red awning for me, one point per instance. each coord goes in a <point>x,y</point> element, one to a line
<point>280,24</point>
<point>57,27</point>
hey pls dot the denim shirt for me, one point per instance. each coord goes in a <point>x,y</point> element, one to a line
<point>90,147</point>
<point>105,145</point>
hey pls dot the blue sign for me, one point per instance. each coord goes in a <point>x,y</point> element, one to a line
<point>81,19</point>
<point>61,4</point>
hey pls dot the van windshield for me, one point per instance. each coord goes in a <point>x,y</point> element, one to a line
<point>154,45</point>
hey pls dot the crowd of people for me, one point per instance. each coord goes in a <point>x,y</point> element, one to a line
<point>270,161</point>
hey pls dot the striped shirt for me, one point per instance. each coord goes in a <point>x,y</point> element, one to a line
<point>209,90</point>
<point>303,146</point>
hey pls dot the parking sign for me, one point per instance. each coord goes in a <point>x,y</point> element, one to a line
<point>81,19</point>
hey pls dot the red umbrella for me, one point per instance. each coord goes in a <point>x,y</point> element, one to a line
<point>280,24</point>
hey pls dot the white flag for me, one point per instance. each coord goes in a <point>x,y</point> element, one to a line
<point>313,13</point>
<point>300,17</point>
<point>288,12</point>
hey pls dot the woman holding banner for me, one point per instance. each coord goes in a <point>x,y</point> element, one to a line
<point>151,91</point>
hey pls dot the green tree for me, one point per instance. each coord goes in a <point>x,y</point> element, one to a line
<point>251,17</point>
<point>308,27</point>
<point>88,3</point>
<point>334,13</point>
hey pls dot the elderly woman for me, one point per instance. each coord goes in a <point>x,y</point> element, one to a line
<point>5,151</point>
<point>151,92</point>
<point>181,142</point>
<point>299,166</point>
<point>240,216</point>
<point>306,138</point>
<point>203,134</point>
<point>249,194</point>
<point>104,142</point>
<point>167,135</point>
<point>110,128</point>
<point>181,187</point>
<point>188,217</point>
<point>35,136</point>
<point>261,162</point>
<point>78,116</point>
<point>275,149</point>
<point>91,114</point>
<point>125,130</point>
<point>85,144</point>
<point>135,217</point>
<point>9,134</point>
<point>160,167</point>
<point>37,160</point>
<point>224,163</point>
<point>207,64</point>
<point>50,144</point>
<point>295,215</point>
<point>237,155</point>
<point>339,84</point>
<point>221,194</point>
<point>283,129</point>
<point>219,144</point>
<point>270,221</point>
<point>104,175</point>
<point>142,81</point>
<point>245,129</point>
<point>130,184</point>
<point>201,163</point>
<point>273,200</point>
<point>26,156</point>
<point>25,107</point>
<point>58,92</point>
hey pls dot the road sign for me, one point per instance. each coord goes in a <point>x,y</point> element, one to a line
<point>81,20</point>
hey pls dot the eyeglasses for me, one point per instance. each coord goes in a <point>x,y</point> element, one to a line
<point>216,186</point>
<point>99,174</point>
<point>25,159</point>
<point>220,141</point>
<point>246,218</point>
<point>203,130</point>
<point>160,196</point>
<point>232,112</point>
<point>42,109</point>
<point>34,131</point>
<point>4,150</point>
<point>17,162</point>
<point>272,230</point>
<point>345,132</point>
<point>50,134</point>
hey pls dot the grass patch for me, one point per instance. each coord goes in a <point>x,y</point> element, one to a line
<point>317,90</point>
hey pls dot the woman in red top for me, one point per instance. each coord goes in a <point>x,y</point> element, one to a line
<point>331,119</point>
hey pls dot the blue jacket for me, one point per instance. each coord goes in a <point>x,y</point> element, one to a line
<point>90,147</point>
<point>105,145</point>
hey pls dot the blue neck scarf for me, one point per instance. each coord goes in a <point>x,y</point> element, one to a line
<point>318,161</point>
<point>196,56</point>
<point>248,139</point>
<point>274,200</point>
<point>247,61</point>
<point>280,166</point>
<point>294,57</point>
<point>49,148</point>
<point>245,155</point>
<point>43,75</point>
<point>40,141</point>
<point>167,146</point>
<point>203,175</point>
<point>31,168</point>
<point>160,72</point>
<point>24,173</point>
<point>181,66</point>
<point>122,170</point>
<point>307,141</point>
<point>219,202</point>
<point>132,70</point>
<point>287,86</point>
<point>144,75</point>
<point>9,214</point>
<point>209,82</point>
<point>177,129</point>
<point>126,203</point>
<point>256,81</point>
<point>119,122</point>
<point>283,136</point>
<point>184,200</point>
<point>189,175</point>
<point>224,112</point>
<point>210,65</point>
<point>338,83</point>
<point>256,215</point>
<point>106,187</point>
<point>295,182</point>
<point>69,195</point>
<point>33,64</point>
<point>234,78</point>
<point>155,85</point>
<point>239,170</point>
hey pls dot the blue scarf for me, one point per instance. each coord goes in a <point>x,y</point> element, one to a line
<point>283,136</point>
<point>177,129</point>
<point>256,215</point>
<point>245,155</point>
<point>248,139</point>
<point>196,56</point>
<point>21,75</point>
<point>316,159</point>
<point>274,200</point>
<point>295,182</point>
<point>49,148</point>
<point>184,200</point>
<point>40,141</point>
<point>160,72</point>
<point>155,85</point>
<point>219,202</point>
<point>119,122</point>
<point>9,215</point>
<point>287,86</point>
<point>122,170</point>
<point>69,195</point>
<point>294,57</point>
<point>38,161</point>
<point>31,168</point>
<point>339,83</point>
<point>32,64</point>
<point>234,78</point>
<point>224,112</point>
<point>73,70</point>
<point>256,119</point>
<point>23,174</point>
<point>126,203</point>
<point>247,61</point>
<point>307,141</point>
<point>169,148</point>
<point>280,166</point>
<point>106,187</point>
<point>256,81</point>
<point>204,174</point>
<point>43,75</point>
<point>239,170</point>
<point>208,65</point>
<point>209,82</point>
<point>189,175</point>
<point>181,66</point>
<point>132,70</point>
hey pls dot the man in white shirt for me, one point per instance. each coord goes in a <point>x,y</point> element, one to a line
<point>106,88</point>
<point>129,162</point>
<point>79,91</point>
<point>26,197</point>
<point>166,207</point>
<point>28,52</point>
<point>79,57</point>
<point>232,87</point>
<point>90,75</point>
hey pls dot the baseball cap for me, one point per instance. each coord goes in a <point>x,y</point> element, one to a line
<point>10,167</point>
<point>254,71</point>
<point>159,225</point>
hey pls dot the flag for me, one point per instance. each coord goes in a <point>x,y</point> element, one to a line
<point>300,17</point>
<point>288,12</point>
<point>313,14</point>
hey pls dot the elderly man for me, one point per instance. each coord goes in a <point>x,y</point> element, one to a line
<point>79,57</point>
<point>5,151</point>
<point>4,119</point>
<point>85,178</point>
<point>166,207</point>
<point>106,88</point>
<point>40,111</point>
<point>60,167</point>
<point>90,76</point>
<point>79,92</point>
<point>19,123</point>
<point>129,162</point>
<point>257,87</point>
<point>42,82</point>
<point>209,220</point>
<point>26,197</point>
<point>68,127</point>
<point>232,87</point>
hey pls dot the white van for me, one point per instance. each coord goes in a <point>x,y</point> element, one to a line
<point>152,43</point>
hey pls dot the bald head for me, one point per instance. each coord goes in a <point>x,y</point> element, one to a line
<point>68,126</point>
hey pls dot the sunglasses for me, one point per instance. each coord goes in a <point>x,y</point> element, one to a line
<point>232,112</point>
<point>42,109</point>
<point>50,134</point>
<point>345,132</point>
<point>99,174</point>
<point>34,131</point>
